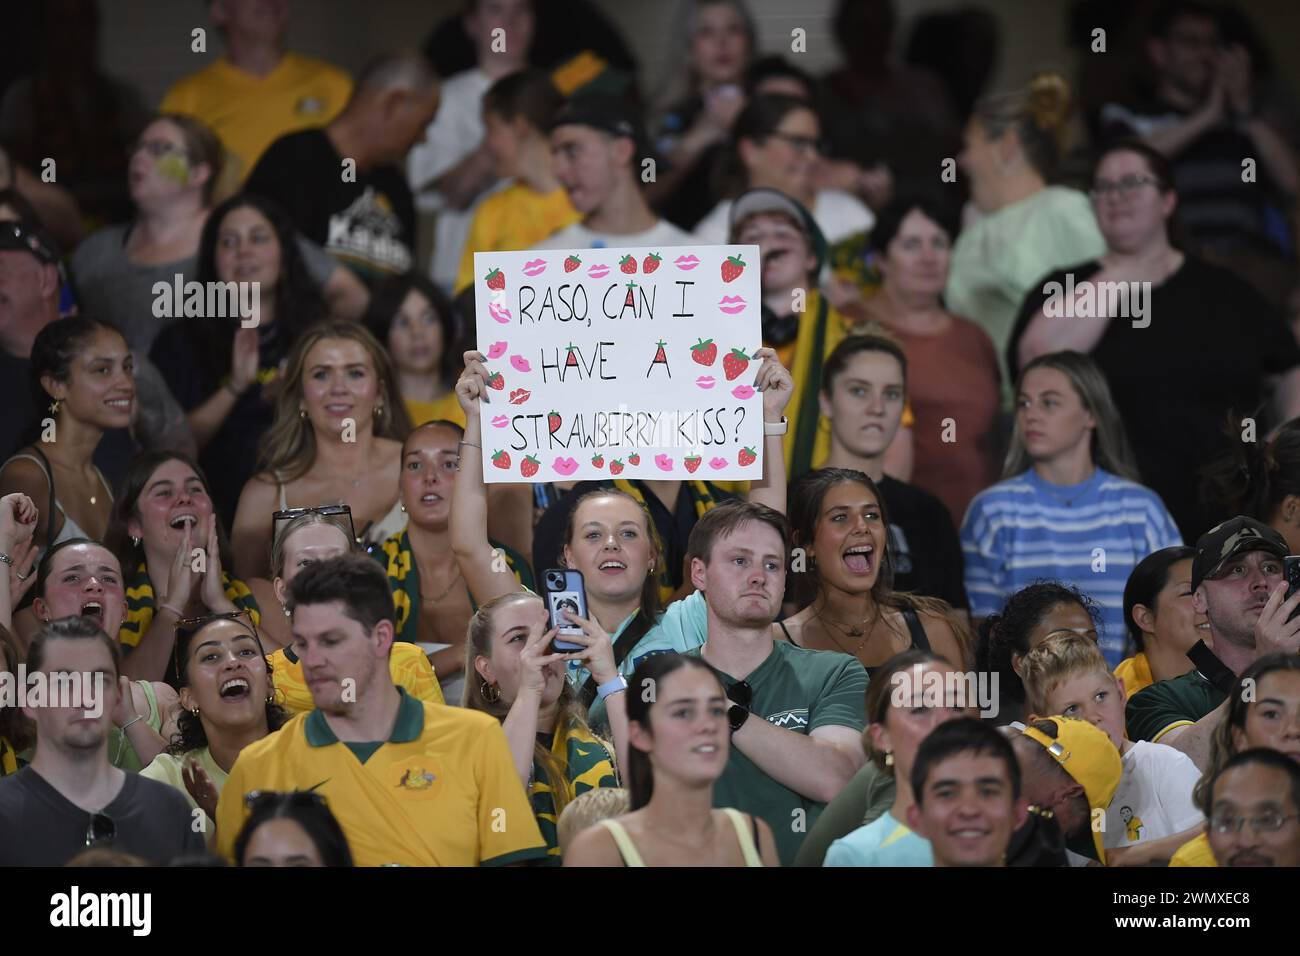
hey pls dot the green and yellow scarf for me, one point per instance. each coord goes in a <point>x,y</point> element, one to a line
<point>140,604</point>
<point>404,579</point>
<point>810,441</point>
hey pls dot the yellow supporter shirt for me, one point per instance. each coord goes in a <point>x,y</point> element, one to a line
<point>406,662</point>
<point>446,408</point>
<point>249,113</point>
<point>441,791</point>
<point>1135,673</point>
<point>1194,853</point>
<point>514,218</point>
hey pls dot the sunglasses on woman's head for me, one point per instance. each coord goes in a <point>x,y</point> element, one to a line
<point>187,627</point>
<point>281,519</point>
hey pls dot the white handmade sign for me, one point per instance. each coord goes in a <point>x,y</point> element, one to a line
<point>609,362</point>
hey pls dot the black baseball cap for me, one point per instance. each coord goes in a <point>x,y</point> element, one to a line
<point>1229,539</point>
<point>27,238</point>
<point>602,111</point>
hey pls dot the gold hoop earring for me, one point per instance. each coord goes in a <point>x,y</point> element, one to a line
<point>889,758</point>
<point>495,692</point>
<point>195,711</point>
<point>135,541</point>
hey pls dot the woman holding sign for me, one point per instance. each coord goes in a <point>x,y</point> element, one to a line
<point>613,531</point>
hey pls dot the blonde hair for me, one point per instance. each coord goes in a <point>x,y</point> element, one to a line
<point>569,714</point>
<point>1037,113</point>
<point>589,808</point>
<point>289,448</point>
<point>1057,659</point>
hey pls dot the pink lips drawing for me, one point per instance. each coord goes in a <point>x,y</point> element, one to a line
<point>565,466</point>
<point>598,271</point>
<point>686,263</point>
<point>500,421</point>
<point>717,464</point>
<point>663,463</point>
<point>520,364</point>
<point>732,304</point>
<point>741,392</point>
<point>534,267</point>
<point>706,381</point>
<point>502,314</point>
<point>497,349</point>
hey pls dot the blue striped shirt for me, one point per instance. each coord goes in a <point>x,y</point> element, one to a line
<point>1020,531</point>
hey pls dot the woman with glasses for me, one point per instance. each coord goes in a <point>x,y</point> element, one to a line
<point>1069,506</point>
<point>290,829</point>
<point>173,551</point>
<point>227,702</point>
<point>1025,228</point>
<point>301,537</point>
<point>435,589</point>
<point>776,143</point>
<point>1160,322</point>
<point>339,424</point>
<point>1264,713</point>
<point>1027,619</point>
<point>172,177</point>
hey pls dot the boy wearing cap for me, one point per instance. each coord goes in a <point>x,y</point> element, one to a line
<point>968,801</point>
<point>1092,772</point>
<point>1152,813</point>
<point>1253,805</point>
<point>1237,583</point>
<point>597,147</point>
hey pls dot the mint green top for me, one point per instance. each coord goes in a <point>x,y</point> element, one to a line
<point>998,258</point>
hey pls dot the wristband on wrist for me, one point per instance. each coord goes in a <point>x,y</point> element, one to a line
<point>776,428</point>
<point>130,722</point>
<point>615,686</point>
<point>168,607</point>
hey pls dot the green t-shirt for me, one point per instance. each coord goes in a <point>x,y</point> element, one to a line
<point>1167,704</point>
<point>797,690</point>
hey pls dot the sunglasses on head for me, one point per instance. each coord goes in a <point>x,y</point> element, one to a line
<point>187,627</point>
<point>280,519</point>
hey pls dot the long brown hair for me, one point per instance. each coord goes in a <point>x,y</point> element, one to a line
<point>289,447</point>
<point>569,710</point>
<point>806,497</point>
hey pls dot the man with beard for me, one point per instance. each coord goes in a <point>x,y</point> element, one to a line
<point>1253,808</point>
<point>1237,583</point>
<point>70,797</point>
<point>796,715</point>
<point>411,783</point>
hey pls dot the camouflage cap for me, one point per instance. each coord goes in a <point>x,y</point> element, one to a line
<point>1229,539</point>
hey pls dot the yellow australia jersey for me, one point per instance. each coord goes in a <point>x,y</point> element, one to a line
<point>514,218</point>
<point>1194,853</point>
<point>406,662</point>
<point>441,791</point>
<point>248,113</point>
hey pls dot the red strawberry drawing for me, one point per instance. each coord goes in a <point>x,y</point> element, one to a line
<point>629,300</point>
<point>704,351</point>
<point>616,466</point>
<point>496,381</point>
<point>734,363</point>
<point>692,462</point>
<point>496,280</point>
<point>732,267</point>
<point>746,456</point>
<point>598,460</point>
<point>528,467</point>
<point>571,360</point>
<point>651,263</point>
<point>501,459</point>
<point>571,263</point>
<point>628,265</point>
<point>553,421</point>
<point>634,459</point>
<point>660,354</point>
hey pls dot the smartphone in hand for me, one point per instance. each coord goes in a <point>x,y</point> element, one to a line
<point>565,591</point>
<point>1291,570</point>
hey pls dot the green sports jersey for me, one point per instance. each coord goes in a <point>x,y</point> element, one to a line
<point>797,690</point>
<point>1166,704</point>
